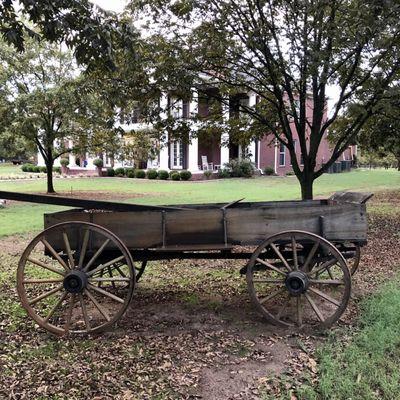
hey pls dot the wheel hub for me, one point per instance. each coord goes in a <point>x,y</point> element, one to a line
<point>296,283</point>
<point>75,281</point>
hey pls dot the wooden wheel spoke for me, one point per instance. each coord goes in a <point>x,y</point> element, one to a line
<point>106,279</point>
<point>314,307</point>
<point>53,310</point>
<point>45,295</point>
<point>111,276</point>
<point>299,311</point>
<point>83,248</point>
<point>336,282</point>
<point>43,265</point>
<point>267,264</point>
<point>295,258</point>
<point>96,255</point>
<point>41,281</point>
<point>84,312</point>
<point>325,296</point>
<point>71,304</point>
<point>68,250</point>
<point>325,265</point>
<point>310,256</point>
<point>102,311</point>
<point>272,295</point>
<point>54,254</point>
<point>119,270</point>
<point>105,293</point>
<point>280,256</point>
<point>283,307</point>
<point>105,265</point>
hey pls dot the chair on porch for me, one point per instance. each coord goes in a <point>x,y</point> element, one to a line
<point>205,165</point>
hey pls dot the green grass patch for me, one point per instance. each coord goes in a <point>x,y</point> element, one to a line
<point>28,217</point>
<point>367,367</point>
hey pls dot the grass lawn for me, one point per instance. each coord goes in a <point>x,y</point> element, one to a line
<point>23,218</point>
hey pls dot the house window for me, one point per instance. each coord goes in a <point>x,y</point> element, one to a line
<point>282,155</point>
<point>177,154</point>
<point>185,109</point>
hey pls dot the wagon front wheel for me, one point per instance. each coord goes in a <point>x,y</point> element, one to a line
<point>299,279</point>
<point>75,277</point>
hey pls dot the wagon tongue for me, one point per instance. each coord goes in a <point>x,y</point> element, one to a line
<point>80,203</point>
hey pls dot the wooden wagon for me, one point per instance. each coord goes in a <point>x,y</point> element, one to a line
<point>80,273</point>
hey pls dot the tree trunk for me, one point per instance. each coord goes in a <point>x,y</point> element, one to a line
<point>306,184</point>
<point>49,167</point>
<point>398,163</point>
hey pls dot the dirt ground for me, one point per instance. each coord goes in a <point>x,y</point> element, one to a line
<point>190,333</point>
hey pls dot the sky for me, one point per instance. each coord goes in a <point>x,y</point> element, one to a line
<point>111,5</point>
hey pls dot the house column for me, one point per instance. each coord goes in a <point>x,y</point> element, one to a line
<point>71,157</point>
<point>251,148</point>
<point>164,153</point>
<point>193,148</point>
<point>225,135</point>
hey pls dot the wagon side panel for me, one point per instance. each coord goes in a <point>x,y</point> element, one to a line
<point>342,222</point>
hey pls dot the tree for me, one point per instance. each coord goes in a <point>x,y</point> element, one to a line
<point>82,26</point>
<point>287,52</point>
<point>382,131</point>
<point>46,105</point>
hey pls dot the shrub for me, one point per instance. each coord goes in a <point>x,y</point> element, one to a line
<point>64,162</point>
<point>27,167</point>
<point>57,170</point>
<point>98,162</point>
<point>126,170</point>
<point>110,172</point>
<point>140,174</point>
<point>175,176</point>
<point>224,173</point>
<point>163,175</point>
<point>207,174</point>
<point>185,175</point>
<point>43,169</point>
<point>269,171</point>
<point>152,174</point>
<point>240,168</point>
<point>130,173</point>
<point>36,169</point>
<point>120,171</point>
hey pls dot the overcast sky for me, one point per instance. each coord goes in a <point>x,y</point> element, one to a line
<point>111,5</point>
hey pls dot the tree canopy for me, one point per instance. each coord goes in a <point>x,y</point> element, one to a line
<point>46,104</point>
<point>87,29</point>
<point>287,52</point>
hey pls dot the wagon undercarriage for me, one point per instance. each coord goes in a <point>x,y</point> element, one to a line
<point>80,273</point>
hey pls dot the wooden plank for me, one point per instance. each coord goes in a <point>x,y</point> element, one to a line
<point>79,203</point>
<point>350,197</point>
<point>341,222</point>
<point>194,227</point>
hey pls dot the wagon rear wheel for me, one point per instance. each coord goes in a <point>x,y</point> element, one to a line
<point>297,278</point>
<point>64,278</point>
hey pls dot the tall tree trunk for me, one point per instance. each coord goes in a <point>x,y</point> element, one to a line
<point>49,167</point>
<point>306,184</point>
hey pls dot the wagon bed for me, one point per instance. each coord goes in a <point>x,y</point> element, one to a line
<point>80,273</point>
